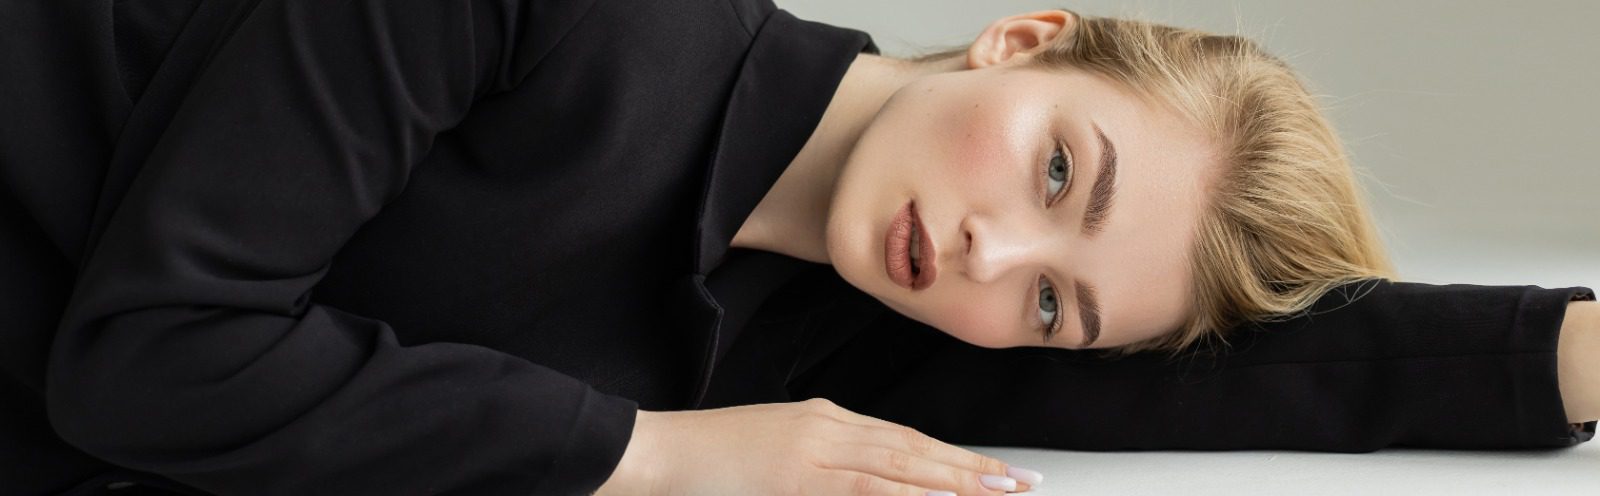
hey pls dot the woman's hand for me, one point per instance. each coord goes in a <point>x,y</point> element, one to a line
<point>809,447</point>
<point>1578,361</point>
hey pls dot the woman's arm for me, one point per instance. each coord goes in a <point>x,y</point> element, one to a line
<point>192,348</point>
<point>1376,364</point>
<point>1579,361</point>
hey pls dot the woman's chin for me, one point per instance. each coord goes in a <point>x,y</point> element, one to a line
<point>846,256</point>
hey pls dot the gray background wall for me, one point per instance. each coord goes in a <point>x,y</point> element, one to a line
<point>1476,121</point>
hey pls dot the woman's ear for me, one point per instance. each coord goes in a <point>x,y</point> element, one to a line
<point>1018,35</point>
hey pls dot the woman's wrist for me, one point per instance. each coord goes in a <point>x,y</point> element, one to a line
<point>1578,361</point>
<point>637,473</point>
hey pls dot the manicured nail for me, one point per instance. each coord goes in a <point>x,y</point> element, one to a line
<point>1029,477</point>
<point>998,482</point>
<point>941,493</point>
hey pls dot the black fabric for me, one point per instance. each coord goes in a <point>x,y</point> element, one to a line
<point>60,108</point>
<point>145,31</point>
<point>1372,365</point>
<point>381,247</point>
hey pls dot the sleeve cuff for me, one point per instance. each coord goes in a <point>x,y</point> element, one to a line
<point>1581,432</point>
<point>594,446</point>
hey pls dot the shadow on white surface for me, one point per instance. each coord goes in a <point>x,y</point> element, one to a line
<point>1574,471</point>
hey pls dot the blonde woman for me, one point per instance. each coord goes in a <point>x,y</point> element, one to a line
<point>701,247</point>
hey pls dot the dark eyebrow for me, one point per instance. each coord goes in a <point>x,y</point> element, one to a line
<point>1088,312</point>
<point>1094,222</point>
<point>1105,187</point>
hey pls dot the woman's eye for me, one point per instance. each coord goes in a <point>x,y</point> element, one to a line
<point>1057,171</point>
<point>1048,305</point>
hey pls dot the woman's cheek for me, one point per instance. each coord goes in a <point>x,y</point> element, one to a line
<point>990,151</point>
<point>978,146</point>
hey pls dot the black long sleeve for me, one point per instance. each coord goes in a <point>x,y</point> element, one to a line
<point>1403,364</point>
<point>191,347</point>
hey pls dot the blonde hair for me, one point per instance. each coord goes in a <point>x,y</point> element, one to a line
<point>1285,221</point>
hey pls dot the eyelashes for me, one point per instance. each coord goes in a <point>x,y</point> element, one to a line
<point>1058,169</point>
<point>1049,309</point>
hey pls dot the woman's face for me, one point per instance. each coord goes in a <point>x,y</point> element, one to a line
<point>1001,163</point>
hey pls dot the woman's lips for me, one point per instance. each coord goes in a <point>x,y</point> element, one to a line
<point>896,248</point>
<point>927,262</point>
<point>897,251</point>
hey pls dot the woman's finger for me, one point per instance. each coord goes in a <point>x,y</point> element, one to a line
<point>892,435</point>
<point>916,442</point>
<point>919,444</point>
<point>911,441</point>
<point>908,468</point>
<point>851,483</point>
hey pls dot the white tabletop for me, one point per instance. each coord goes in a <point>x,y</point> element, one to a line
<point>1408,472</point>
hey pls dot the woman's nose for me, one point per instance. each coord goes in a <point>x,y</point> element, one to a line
<point>992,249</point>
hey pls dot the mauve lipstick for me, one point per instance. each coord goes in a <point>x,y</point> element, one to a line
<point>927,262</point>
<point>896,248</point>
<point>897,261</point>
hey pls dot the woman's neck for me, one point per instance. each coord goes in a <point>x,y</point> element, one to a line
<point>792,218</point>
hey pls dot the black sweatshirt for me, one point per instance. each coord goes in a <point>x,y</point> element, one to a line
<point>386,247</point>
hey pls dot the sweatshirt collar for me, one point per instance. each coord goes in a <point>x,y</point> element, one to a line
<point>786,81</point>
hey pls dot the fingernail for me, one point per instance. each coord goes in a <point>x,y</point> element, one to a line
<point>941,493</point>
<point>1030,477</point>
<point>998,482</point>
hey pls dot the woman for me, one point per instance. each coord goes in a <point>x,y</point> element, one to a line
<point>494,247</point>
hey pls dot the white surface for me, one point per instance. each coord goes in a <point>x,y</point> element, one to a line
<point>1408,472</point>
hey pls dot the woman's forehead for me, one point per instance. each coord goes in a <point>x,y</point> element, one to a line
<point>1140,262</point>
